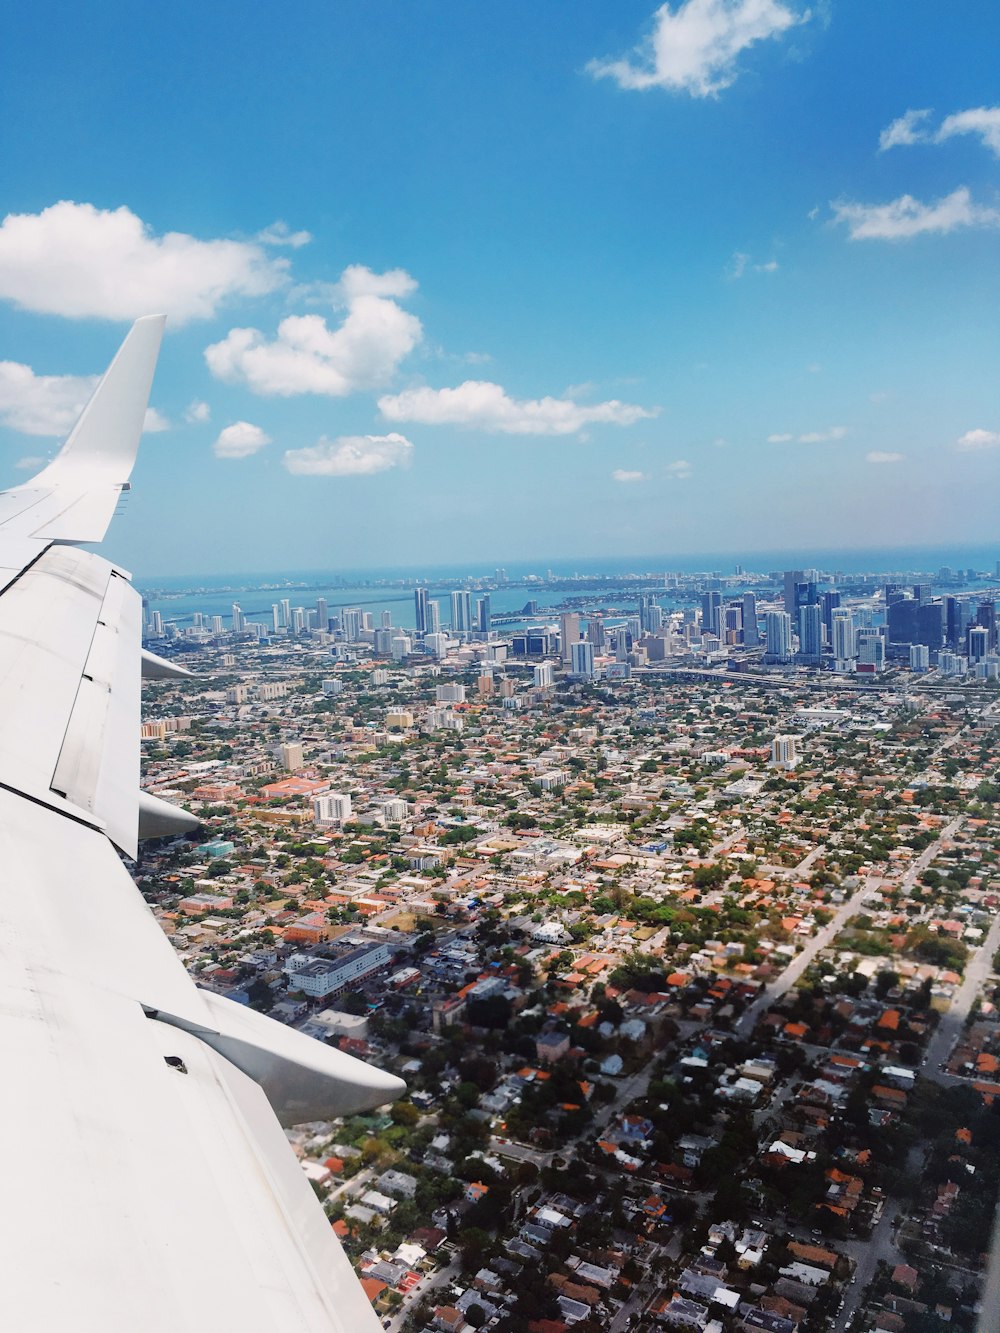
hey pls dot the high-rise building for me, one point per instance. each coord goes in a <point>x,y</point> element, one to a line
<point>711,613</point>
<point>979,642</point>
<point>239,620</point>
<point>216,624</point>
<point>843,638</point>
<point>400,646</point>
<point>275,617</point>
<point>285,606</point>
<point>322,614</point>
<point>569,629</point>
<point>449,694</point>
<point>811,633</point>
<point>298,624</point>
<point>920,657</point>
<point>484,616</point>
<point>332,808</point>
<point>751,631</point>
<point>795,591</point>
<point>545,675</point>
<point>386,620</point>
<point>420,609</point>
<point>582,659</point>
<point>291,755</point>
<point>432,618</point>
<point>986,616</point>
<point>436,643</point>
<point>778,629</point>
<point>156,624</point>
<point>351,623</point>
<point>830,603</point>
<point>461,611</point>
<point>871,649</point>
<point>620,639</point>
<point>783,752</point>
<point>650,613</point>
<point>595,632</point>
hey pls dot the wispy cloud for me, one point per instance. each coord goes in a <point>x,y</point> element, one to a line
<point>240,440</point>
<point>481,405</point>
<point>197,412</point>
<point>975,440</point>
<point>906,217</point>
<point>84,262</point>
<point>810,437</point>
<point>679,470</point>
<point>741,263</point>
<point>279,233</point>
<point>913,127</point>
<point>623,475</point>
<point>307,356</point>
<point>695,47</point>
<point>350,456</point>
<point>909,128</point>
<point>884,456</point>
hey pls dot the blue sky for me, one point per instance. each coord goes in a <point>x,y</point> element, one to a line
<point>464,283</point>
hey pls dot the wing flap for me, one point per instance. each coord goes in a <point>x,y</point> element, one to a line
<point>98,764</point>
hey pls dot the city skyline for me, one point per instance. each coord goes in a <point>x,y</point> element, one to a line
<point>557,290</point>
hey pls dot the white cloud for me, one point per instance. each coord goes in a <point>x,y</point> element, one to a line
<point>481,405</point>
<point>307,356</point>
<point>41,404</point>
<point>906,217</point>
<point>279,233</point>
<point>911,127</point>
<point>50,404</point>
<point>154,422</point>
<point>974,440</point>
<point>31,463</point>
<point>883,456</point>
<point>197,412</point>
<point>89,263</point>
<point>350,456</point>
<point>240,440</point>
<point>810,437</point>
<point>695,47</point>
<point>981,120</point>
<point>623,475</point>
<point>679,470</point>
<point>357,280</point>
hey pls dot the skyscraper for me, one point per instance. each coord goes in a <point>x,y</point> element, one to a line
<point>711,613</point>
<point>420,609</point>
<point>322,614</point>
<point>843,637</point>
<point>751,632</point>
<point>239,620</point>
<point>461,611</point>
<point>569,629</point>
<point>582,659</point>
<point>483,614</point>
<point>432,617</point>
<point>811,633</point>
<point>778,628</point>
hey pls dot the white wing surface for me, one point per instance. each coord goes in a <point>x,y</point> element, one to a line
<point>146,1181</point>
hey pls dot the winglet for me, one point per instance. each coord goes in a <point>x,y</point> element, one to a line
<point>73,499</point>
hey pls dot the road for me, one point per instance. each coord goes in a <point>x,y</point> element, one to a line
<point>439,1279</point>
<point>951,1023</point>
<point>824,937</point>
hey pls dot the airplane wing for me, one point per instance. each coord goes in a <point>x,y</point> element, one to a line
<point>146,1181</point>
